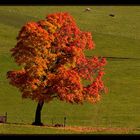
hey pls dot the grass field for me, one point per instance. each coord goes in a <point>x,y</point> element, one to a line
<point>116,37</point>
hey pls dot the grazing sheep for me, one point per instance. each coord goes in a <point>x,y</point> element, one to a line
<point>87,9</point>
<point>112,15</point>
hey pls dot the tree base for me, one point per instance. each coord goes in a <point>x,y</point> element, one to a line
<point>37,123</point>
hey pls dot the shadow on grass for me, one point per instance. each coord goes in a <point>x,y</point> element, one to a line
<point>85,129</point>
<point>121,58</point>
<point>14,19</point>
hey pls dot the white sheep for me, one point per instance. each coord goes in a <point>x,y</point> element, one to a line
<point>88,9</point>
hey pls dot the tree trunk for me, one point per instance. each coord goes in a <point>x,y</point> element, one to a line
<point>38,114</point>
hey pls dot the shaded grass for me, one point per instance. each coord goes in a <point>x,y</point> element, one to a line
<point>25,129</point>
<point>29,129</point>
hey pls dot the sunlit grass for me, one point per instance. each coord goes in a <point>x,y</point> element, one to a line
<point>117,37</point>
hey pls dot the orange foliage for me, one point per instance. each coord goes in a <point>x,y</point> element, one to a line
<point>54,65</point>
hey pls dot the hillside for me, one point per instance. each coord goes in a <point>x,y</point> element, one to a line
<point>117,38</point>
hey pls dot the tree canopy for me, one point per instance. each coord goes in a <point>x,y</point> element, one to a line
<point>51,54</point>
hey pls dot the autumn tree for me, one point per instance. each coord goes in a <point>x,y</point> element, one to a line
<point>53,64</point>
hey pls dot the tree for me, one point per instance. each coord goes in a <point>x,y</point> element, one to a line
<point>53,64</point>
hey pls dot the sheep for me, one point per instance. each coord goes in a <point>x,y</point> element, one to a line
<point>112,15</point>
<point>87,9</point>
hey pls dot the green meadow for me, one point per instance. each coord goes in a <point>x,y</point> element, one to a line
<point>117,38</point>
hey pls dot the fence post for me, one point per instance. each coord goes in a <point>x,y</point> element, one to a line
<point>52,121</point>
<point>6,117</point>
<point>64,121</point>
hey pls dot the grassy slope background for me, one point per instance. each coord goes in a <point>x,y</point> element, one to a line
<point>117,37</point>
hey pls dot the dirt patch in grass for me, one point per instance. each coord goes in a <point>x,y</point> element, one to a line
<point>96,129</point>
<point>84,129</point>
